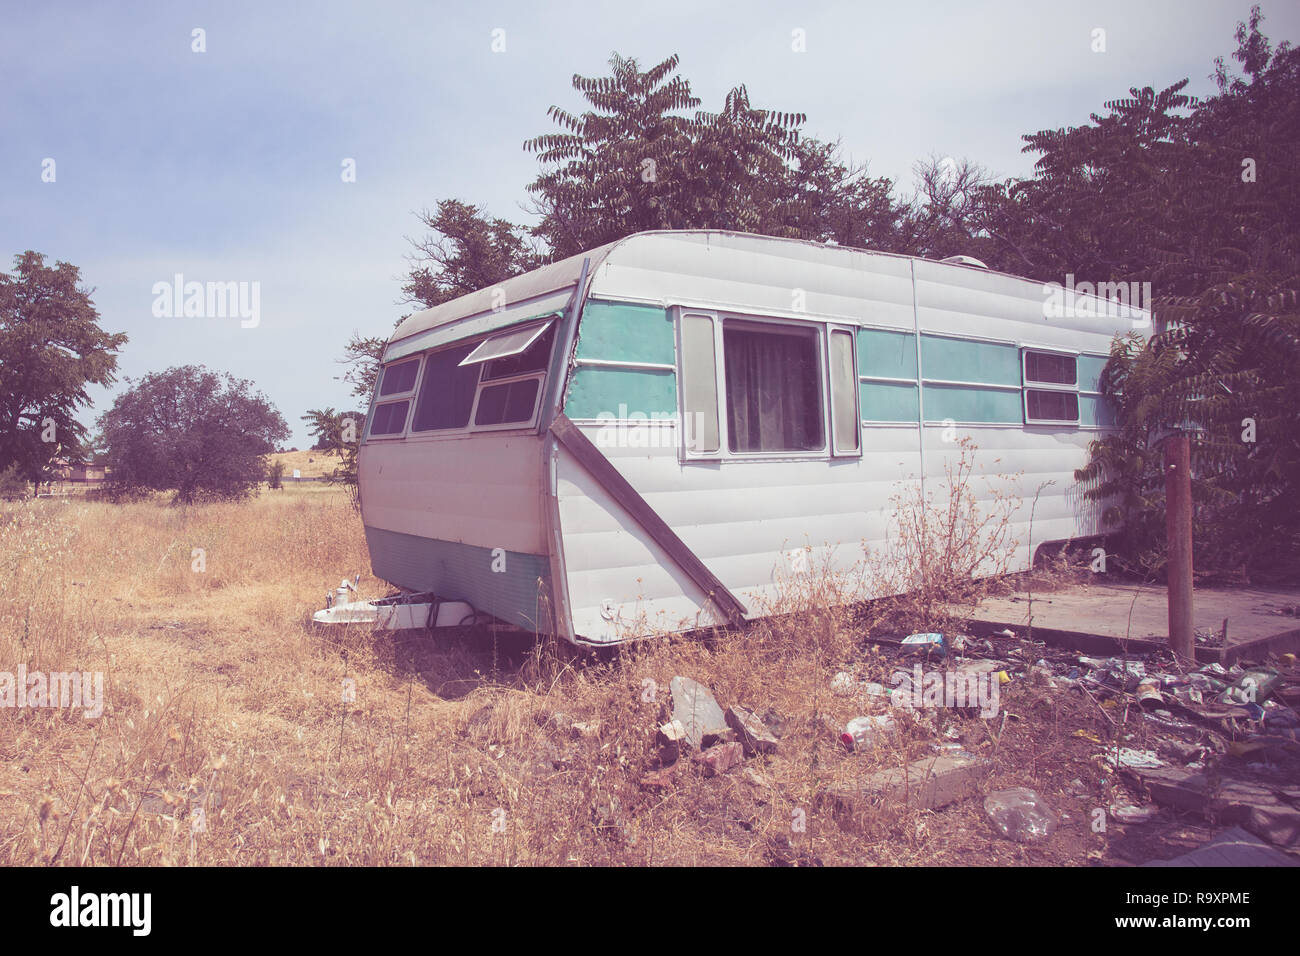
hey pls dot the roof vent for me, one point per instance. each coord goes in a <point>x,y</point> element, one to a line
<point>965,261</point>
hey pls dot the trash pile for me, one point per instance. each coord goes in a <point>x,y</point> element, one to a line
<point>1219,741</point>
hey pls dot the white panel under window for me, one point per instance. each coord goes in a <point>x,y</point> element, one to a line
<point>846,420</point>
<point>699,385</point>
<point>506,344</point>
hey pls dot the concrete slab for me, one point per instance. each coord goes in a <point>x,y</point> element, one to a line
<point>1233,847</point>
<point>1098,617</point>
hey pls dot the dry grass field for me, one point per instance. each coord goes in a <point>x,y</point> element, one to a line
<point>310,464</point>
<point>221,698</point>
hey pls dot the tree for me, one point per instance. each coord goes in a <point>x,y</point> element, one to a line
<point>275,475</point>
<point>1213,222</point>
<point>51,348</point>
<point>191,431</point>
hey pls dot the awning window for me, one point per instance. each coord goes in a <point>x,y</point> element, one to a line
<point>506,344</point>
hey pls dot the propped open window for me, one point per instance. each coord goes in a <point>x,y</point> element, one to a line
<point>514,366</point>
<point>506,344</point>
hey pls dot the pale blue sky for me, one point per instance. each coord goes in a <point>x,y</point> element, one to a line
<point>225,165</point>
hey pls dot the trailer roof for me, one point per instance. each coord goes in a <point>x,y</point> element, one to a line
<point>541,289</point>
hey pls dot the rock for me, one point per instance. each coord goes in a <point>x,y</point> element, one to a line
<point>1233,847</point>
<point>1276,823</point>
<point>1020,814</point>
<point>929,783</point>
<point>753,733</point>
<point>720,758</point>
<point>590,728</point>
<point>698,712</point>
<point>670,738</point>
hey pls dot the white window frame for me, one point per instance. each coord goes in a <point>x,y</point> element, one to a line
<point>833,329</point>
<point>408,396</point>
<point>1027,386</point>
<point>724,452</point>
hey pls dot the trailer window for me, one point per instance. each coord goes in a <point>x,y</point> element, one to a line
<point>773,387</point>
<point>389,418</point>
<point>699,385</point>
<point>400,378</point>
<point>534,358</point>
<point>846,419</point>
<point>447,394</point>
<point>1050,384</point>
<point>523,345</point>
<point>508,403</point>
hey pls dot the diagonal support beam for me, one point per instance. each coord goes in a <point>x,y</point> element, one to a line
<point>594,461</point>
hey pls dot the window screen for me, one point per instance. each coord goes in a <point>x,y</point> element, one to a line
<point>773,390</point>
<point>390,418</point>
<point>1051,406</point>
<point>507,403</point>
<point>1047,368</point>
<point>447,394</point>
<point>399,378</point>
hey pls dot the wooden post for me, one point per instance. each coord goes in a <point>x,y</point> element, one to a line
<point>1178,533</point>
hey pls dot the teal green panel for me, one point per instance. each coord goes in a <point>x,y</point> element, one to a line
<point>463,572</point>
<point>958,360</point>
<point>963,404</point>
<point>1095,410</point>
<point>884,354</point>
<point>595,390</point>
<point>620,332</point>
<point>888,402</point>
<point>1090,367</point>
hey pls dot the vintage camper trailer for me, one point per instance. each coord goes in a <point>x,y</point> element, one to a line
<point>633,440</point>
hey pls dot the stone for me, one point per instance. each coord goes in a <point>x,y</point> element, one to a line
<point>1278,824</point>
<point>752,732</point>
<point>698,712</point>
<point>720,758</point>
<point>929,783</point>
<point>670,738</point>
<point>589,728</point>
<point>1020,814</point>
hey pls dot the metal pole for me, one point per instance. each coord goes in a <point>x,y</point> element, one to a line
<point>1178,533</point>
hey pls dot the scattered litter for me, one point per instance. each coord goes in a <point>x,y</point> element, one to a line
<point>863,733</point>
<point>1128,813</point>
<point>1020,814</point>
<point>1135,759</point>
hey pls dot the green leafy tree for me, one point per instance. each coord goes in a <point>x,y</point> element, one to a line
<point>51,348</point>
<point>191,431</point>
